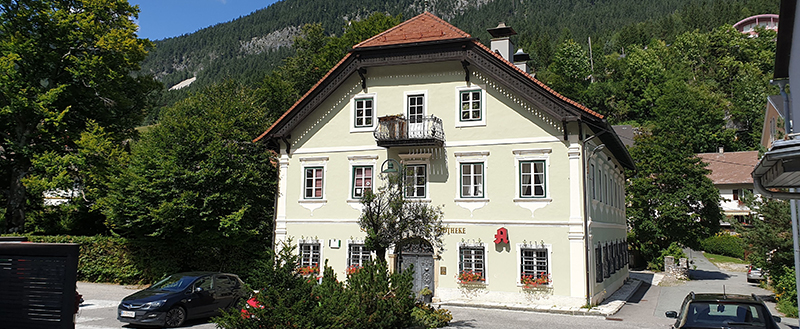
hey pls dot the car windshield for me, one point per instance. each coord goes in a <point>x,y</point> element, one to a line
<point>725,314</point>
<point>173,283</point>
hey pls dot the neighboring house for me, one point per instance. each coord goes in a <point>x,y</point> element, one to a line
<point>773,121</point>
<point>730,172</point>
<point>748,25</point>
<point>532,183</point>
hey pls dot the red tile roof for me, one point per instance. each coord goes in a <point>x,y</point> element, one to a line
<point>730,167</point>
<point>423,27</point>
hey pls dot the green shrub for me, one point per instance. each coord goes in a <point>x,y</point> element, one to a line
<point>371,298</point>
<point>724,244</point>
<point>785,291</point>
<point>142,261</point>
<point>426,316</point>
<point>674,250</point>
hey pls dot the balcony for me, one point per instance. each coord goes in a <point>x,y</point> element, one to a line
<point>394,130</point>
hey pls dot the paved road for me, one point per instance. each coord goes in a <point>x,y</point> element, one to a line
<point>644,310</point>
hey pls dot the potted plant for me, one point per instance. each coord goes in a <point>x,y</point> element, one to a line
<point>308,270</point>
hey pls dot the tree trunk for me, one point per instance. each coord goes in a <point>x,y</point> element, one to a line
<point>380,254</point>
<point>15,208</point>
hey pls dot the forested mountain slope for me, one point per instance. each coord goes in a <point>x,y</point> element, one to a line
<point>249,47</point>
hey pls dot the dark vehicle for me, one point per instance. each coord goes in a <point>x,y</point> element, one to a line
<point>182,296</point>
<point>723,311</point>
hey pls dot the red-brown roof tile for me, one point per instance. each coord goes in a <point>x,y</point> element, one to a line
<point>730,167</point>
<point>423,27</point>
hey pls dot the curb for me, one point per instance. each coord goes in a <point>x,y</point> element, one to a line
<point>610,306</point>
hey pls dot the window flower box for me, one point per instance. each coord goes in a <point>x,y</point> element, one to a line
<point>352,269</point>
<point>308,270</point>
<point>533,282</point>
<point>470,278</point>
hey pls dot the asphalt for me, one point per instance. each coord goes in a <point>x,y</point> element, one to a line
<point>646,295</point>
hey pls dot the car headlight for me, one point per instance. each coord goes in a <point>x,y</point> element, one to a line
<point>153,305</point>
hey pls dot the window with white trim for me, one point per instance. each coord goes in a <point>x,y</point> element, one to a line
<point>532,179</point>
<point>416,180</point>
<point>472,260</point>
<point>470,105</point>
<point>534,262</point>
<point>309,254</point>
<point>362,180</point>
<point>600,184</point>
<point>472,180</point>
<point>313,183</point>
<point>364,112</point>
<point>358,255</point>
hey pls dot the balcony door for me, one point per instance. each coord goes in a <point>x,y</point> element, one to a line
<point>415,113</point>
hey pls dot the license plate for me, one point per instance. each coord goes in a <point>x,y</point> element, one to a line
<point>127,314</point>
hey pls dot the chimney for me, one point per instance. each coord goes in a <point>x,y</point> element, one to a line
<point>521,60</point>
<point>501,42</point>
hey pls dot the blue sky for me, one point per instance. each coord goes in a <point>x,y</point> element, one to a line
<point>160,19</point>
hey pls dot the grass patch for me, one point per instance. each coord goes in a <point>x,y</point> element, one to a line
<point>714,258</point>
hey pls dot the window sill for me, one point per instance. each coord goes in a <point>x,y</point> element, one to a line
<point>533,200</point>
<point>362,129</point>
<point>420,200</point>
<point>467,124</point>
<point>312,201</point>
<point>471,200</point>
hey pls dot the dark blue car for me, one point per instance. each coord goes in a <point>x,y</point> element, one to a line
<point>180,297</point>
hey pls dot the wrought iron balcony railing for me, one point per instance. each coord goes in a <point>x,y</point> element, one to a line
<point>395,130</point>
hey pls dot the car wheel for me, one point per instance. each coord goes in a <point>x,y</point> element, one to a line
<point>175,317</point>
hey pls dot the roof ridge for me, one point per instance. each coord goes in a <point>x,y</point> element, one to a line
<point>396,33</point>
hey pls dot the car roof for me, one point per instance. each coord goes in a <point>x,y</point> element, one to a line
<point>717,297</point>
<point>197,274</point>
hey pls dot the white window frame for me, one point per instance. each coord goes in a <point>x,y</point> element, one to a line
<point>349,260</point>
<point>313,162</point>
<point>472,123</point>
<point>353,101</point>
<point>532,155</point>
<point>474,245</point>
<point>302,261</point>
<point>417,159</point>
<point>360,161</point>
<point>547,247</point>
<point>424,94</point>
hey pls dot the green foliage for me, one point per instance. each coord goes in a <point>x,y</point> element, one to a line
<point>785,285</point>
<point>63,64</point>
<point>673,250</point>
<point>389,218</point>
<point>371,298</point>
<point>425,316</point>
<point>144,261</point>
<point>769,242</point>
<point>196,176</point>
<point>671,200</point>
<point>724,244</point>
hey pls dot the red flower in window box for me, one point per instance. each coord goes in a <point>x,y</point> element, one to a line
<point>352,269</point>
<point>530,281</point>
<point>470,277</point>
<point>308,270</point>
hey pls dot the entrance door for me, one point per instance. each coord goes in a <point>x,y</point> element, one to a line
<point>418,253</point>
<point>416,115</point>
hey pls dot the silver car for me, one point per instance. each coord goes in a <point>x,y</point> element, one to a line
<point>754,274</point>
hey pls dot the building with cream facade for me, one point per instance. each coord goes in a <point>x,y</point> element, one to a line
<point>531,183</point>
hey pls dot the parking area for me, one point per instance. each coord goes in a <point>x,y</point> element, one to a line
<point>99,309</point>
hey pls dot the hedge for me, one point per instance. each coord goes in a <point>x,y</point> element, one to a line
<point>724,244</point>
<point>127,261</point>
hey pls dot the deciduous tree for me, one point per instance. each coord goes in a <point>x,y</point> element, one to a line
<point>63,63</point>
